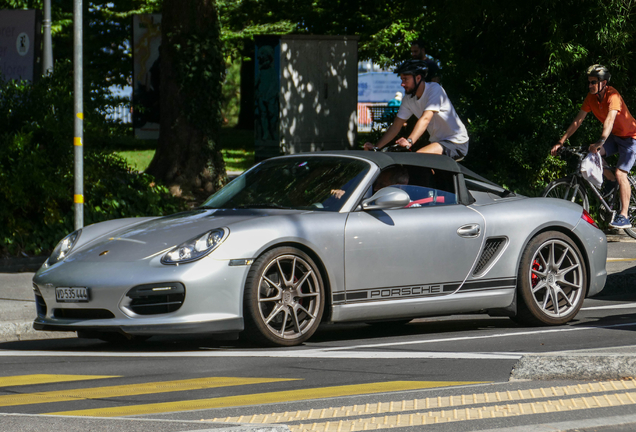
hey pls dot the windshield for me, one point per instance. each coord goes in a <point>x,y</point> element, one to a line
<point>309,183</point>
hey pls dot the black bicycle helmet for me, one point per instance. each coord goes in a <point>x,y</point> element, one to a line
<point>413,67</point>
<point>599,71</point>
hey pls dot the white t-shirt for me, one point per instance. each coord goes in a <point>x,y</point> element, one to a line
<point>445,124</point>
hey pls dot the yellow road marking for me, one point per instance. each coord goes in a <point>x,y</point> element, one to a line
<point>495,411</point>
<point>456,408</point>
<point>19,380</point>
<point>261,398</point>
<point>620,259</point>
<point>131,390</point>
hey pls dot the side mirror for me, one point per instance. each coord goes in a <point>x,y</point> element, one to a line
<point>386,198</point>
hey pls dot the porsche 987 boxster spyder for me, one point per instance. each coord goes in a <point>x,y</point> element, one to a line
<point>326,237</point>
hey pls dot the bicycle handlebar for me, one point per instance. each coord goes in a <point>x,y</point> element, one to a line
<point>577,151</point>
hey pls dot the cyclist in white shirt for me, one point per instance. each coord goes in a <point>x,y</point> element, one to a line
<point>430,104</point>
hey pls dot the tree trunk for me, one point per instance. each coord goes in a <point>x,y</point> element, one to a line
<point>188,156</point>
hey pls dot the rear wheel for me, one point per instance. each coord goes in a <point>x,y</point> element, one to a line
<point>568,188</point>
<point>284,298</point>
<point>631,213</point>
<point>552,280</point>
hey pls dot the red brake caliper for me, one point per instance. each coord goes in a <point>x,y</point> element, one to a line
<point>534,278</point>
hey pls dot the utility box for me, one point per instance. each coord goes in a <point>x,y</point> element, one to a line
<point>306,92</point>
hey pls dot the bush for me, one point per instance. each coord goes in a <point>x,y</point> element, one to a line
<point>37,163</point>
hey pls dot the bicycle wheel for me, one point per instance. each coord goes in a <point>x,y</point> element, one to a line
<point>568,188</point>
<point>631,213</point>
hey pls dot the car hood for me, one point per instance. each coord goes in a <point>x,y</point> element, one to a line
<point>144,240</point>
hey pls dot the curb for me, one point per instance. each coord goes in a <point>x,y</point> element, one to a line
<point>584,366</point>
<point>623,238</point>
<point>23,331</point>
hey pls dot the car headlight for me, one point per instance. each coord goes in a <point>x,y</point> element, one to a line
<point>196,248</point>
<point>63,248</point>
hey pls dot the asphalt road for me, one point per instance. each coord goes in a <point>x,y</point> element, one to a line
<point>460,373</point>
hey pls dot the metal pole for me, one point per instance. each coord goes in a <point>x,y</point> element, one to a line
<point>78,85</point>
<point>47,58</point>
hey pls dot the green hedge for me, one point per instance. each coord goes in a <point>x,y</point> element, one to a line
<point>37,162</point>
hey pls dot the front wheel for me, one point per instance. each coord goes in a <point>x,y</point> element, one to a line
<point>284,298</point>
<point>568,188</point>
<point>552,280</point>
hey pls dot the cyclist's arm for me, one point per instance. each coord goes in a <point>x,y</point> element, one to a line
<point>608,125</point>
<point>419,129</point>
<point>576,123</point>
<point>391,132</point>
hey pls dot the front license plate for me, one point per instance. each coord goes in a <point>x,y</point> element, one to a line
<point>71,295</point>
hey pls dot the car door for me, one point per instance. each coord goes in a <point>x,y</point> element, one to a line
<point>425,249</point>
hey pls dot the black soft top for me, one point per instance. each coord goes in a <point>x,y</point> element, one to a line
<point>440,162</point>
<point>385,159</point>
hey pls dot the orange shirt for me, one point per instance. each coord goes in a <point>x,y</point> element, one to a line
<point>624,125</point>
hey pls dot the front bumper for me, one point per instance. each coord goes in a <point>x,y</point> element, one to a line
<point>212,303</point>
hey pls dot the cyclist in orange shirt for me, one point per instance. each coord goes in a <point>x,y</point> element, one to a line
<point>618,136</point>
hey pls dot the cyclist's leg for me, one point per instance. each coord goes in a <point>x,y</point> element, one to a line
<point>625,190</point>
<point>626,159</point>
<point>448,148</point>
<point>432,148</point>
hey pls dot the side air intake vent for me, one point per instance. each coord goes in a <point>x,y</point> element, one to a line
<point>153,299</point>
<point>492,249</point>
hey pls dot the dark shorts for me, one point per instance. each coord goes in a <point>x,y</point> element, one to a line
<point>626,149</point>
<point>456,151</point>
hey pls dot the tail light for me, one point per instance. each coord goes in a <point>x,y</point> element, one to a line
<point>587,218</point>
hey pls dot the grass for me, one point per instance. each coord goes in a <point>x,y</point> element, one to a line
<point>237,149</point>
<point>138,160</point>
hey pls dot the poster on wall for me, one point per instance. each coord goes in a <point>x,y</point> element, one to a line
<point>378,86</point>
<point>266,94</point>
<point>20,44</point>
<point>146,75</point>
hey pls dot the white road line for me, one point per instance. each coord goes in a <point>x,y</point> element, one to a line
<point>616,306</point>
<point>465,338</point>
<point>277,354</point>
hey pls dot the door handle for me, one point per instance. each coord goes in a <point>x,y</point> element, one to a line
<point>469,231</point>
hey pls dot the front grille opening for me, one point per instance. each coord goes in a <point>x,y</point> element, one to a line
<point>84,314</point>
<point>490,252</point>
<point>154,299</point>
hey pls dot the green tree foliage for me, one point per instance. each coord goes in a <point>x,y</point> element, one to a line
<point>513,69</point>
<point>36,168</point>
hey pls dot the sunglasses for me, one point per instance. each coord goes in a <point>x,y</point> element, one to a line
<point>593,82</point>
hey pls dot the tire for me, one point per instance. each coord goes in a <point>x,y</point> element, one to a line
<point>562,188</point>
<point>284,298</point>
<point>552,280</point>
<point>632,208</point>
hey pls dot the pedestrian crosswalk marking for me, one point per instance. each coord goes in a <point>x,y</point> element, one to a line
<point>262,398</point>
<point>443,409</point>
<point>131,390</point>
<point>20,380</point>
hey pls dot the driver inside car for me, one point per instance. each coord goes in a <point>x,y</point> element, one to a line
<point>397,175</point>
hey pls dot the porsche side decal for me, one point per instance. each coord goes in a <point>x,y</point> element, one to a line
<point>411,291</point>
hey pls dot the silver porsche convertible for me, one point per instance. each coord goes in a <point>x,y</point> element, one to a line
<point>326,237</point>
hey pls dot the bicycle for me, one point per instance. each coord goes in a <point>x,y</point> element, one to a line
<point>576,188</point>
